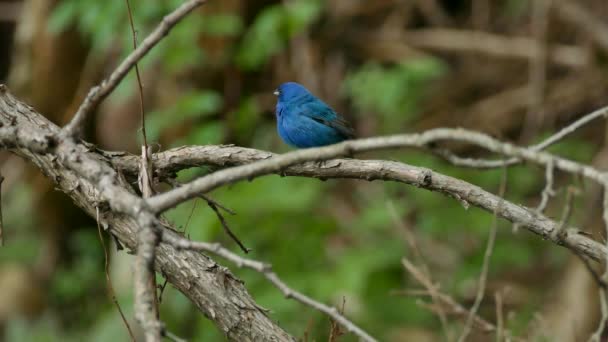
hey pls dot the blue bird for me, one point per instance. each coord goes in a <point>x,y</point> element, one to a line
<point>305,121</point>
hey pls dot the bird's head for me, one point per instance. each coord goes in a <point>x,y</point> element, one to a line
<point>290,90</point>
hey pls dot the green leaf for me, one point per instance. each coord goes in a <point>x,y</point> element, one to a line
<point>63,15</point>
<point>272,29</point>
<point>196,104</point>
<point>222,25</point>
<point>263,38</point>
<point>300,14</point>
<point>392,92</point>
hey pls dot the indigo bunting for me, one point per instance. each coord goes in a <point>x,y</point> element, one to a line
<point>305,121</point>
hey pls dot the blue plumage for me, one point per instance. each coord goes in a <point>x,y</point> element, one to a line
<point>305,121</point>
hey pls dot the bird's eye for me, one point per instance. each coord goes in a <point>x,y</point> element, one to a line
<point>277,92</point>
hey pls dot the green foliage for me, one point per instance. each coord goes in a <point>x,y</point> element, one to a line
<point>20,226</point>
<point>272,29</point>
<point>391,92</point>
<point>194,105</point>
<point>73,282</point>
<point>515,8</point>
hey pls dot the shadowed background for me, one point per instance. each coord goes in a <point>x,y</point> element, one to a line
<point>515,69</point>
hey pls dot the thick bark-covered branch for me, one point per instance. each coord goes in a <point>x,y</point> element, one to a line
<point>169,162</point>
<point>172,198</point>
<point>89,179</point>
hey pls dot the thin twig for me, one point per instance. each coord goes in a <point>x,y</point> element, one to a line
<point>481,286</point>
<point>146,300</point>
<point>216,206</point>
<point>456,308</point>
<point>100,92</point>
<point>597,334</point>
<point>335,331</point>
<point>190,216</point>
<point>139,84</point>
<point>571,192</point>
<point>548,189</point>
<point>411,241</point>
<point>492,164</point>
<point>227,228</point>
<point>559,231</point>
<point>110,288</point>
<point>499,317</point>
<point>171,336</point>
<point>594,274</point>
<point>266,270</point>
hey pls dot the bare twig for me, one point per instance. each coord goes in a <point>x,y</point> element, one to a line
<point>146,300</point>
<point>216,206</point>
<point>411,241</point>
<point>106,267</point>
<point>226,227</point>
<point>139,84</point>
<point>548,189</point>
<point>594,274</point>
<point>171,336</point>
<point>491,164</point>
<point>144,180</point>
<point>597,335</point>
<point>571,192</point>
<point>266,270</point>
<point>499,317</point>
<point>189,217</point>
<point>446,300</point>
<point>335,331</point>
<point>100,92</point>
<point>481,286</point>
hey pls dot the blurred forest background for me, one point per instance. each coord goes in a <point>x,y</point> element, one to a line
<point>515,69</point>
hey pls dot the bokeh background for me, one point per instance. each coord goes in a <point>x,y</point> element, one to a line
<point>515,69</point>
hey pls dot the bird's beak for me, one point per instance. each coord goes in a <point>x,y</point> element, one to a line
<point>276,92</point>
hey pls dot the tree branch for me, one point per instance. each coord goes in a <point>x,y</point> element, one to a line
<point>272,277</point>
<point>100,92</point>
<point>89,179</point>
<point>493,45</point>
<point>553,139</point>
<point>168,162</point>
<point>171,198</point>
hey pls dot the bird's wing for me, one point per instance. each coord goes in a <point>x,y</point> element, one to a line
<point>323,114</point>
